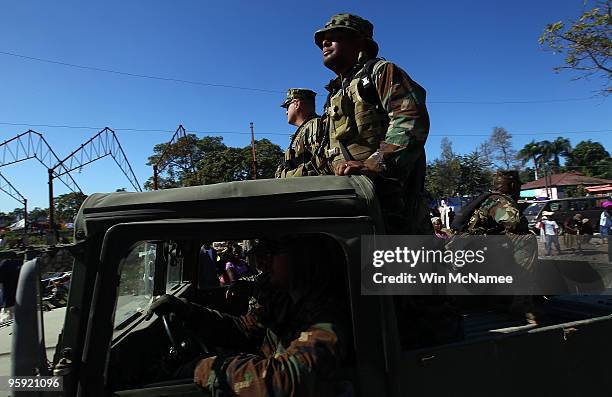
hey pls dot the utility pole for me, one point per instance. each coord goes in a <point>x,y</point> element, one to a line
<point>51,232</point>
<point>253,152</point>
<point>549,181</point>
<point>155,175</point>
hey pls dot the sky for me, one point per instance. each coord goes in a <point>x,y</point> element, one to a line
<point>469,56</point>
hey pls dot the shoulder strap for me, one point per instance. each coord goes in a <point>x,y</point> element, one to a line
<point>366,82</point>
<point>462,219</point>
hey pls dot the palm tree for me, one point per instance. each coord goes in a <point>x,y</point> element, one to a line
<point>531,151</point>
<point>559,147</point>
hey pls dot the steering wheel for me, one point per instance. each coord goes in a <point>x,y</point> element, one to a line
<point>182,342</point>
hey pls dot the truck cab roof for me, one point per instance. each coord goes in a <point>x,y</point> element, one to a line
<point>323,196</point>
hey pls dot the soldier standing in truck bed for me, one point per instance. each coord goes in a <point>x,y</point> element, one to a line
<point>376,122</point>
<point>298,161</point>
<point>497,213</point>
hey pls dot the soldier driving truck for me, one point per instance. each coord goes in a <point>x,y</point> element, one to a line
<point>133,247</point>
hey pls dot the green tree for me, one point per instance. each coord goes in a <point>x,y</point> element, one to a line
<point>527,175</point>
<point>590,158</point>
<point>268,157</point>
<point>175,162</point>
<point>530,152</point>
<point>225,165</point>
<point>213,162</point>
<point>475,174</point>
<point>501,146</point>
<point>38,214</point>
<point>16,214</point>
<point>559,147</point>
<point>586,43</point>
<point>67,205</point>
<point>443,175</point>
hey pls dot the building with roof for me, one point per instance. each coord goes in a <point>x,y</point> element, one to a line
<point>555,186</point>
<point>601,190</point>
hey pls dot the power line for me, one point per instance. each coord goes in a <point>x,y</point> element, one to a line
<point>236,87</point>
<point>202,132</point>
<point>586,166</point>
<point>527,133</point>
<point>142,76</point>
<point>514,101</point>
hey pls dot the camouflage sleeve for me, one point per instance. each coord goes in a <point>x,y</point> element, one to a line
<point>404,102</point>
<point>303,369</point>
<point>505,213</point>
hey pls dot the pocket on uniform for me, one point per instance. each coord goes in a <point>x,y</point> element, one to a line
<point>342,120</point>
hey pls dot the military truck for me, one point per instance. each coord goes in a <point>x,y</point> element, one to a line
<point>131,247</point>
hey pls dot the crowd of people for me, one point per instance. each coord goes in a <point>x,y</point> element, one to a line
<point>223,263</point>
<point>576,231</point>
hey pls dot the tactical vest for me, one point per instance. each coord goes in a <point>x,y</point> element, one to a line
<point>356,120</point>
<point>302,144</point>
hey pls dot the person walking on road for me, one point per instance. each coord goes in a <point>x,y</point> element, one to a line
<point>551,229</point>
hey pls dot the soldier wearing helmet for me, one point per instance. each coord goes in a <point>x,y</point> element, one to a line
<point>499,212</point>
<point>376,122</point>
<point>300,105</point>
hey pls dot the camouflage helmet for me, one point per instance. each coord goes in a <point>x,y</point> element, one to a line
<point>510,177</point>
<point>354,23</point>
<point>298,93</point>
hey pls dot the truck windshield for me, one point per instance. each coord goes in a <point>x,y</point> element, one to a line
<point>136,283</point>
<point>533,209</point>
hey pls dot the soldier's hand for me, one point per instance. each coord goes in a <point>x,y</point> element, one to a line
<point>239,288</point>
<point>354,167</point>
<point>167,304</point>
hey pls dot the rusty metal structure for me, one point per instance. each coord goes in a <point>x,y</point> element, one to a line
<point>8,188</point>
<point>32,145</point>
<point>104,143</point>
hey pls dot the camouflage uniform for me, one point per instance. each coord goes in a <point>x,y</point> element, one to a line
<point>499,214</point>
<point>301,337</point>
<point>372,106</point>
<point>304,142</point>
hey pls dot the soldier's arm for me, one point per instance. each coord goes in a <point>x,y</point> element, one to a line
<point>301,370</point>
<point>222,329</point>
<point>404,102</point>
<point>505,213</point>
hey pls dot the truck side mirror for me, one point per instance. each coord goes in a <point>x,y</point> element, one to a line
<point>28,357</point>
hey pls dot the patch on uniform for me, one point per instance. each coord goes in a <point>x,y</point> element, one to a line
<point>212,377</point>
<point>304,336</point>
<point>245,383</point>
